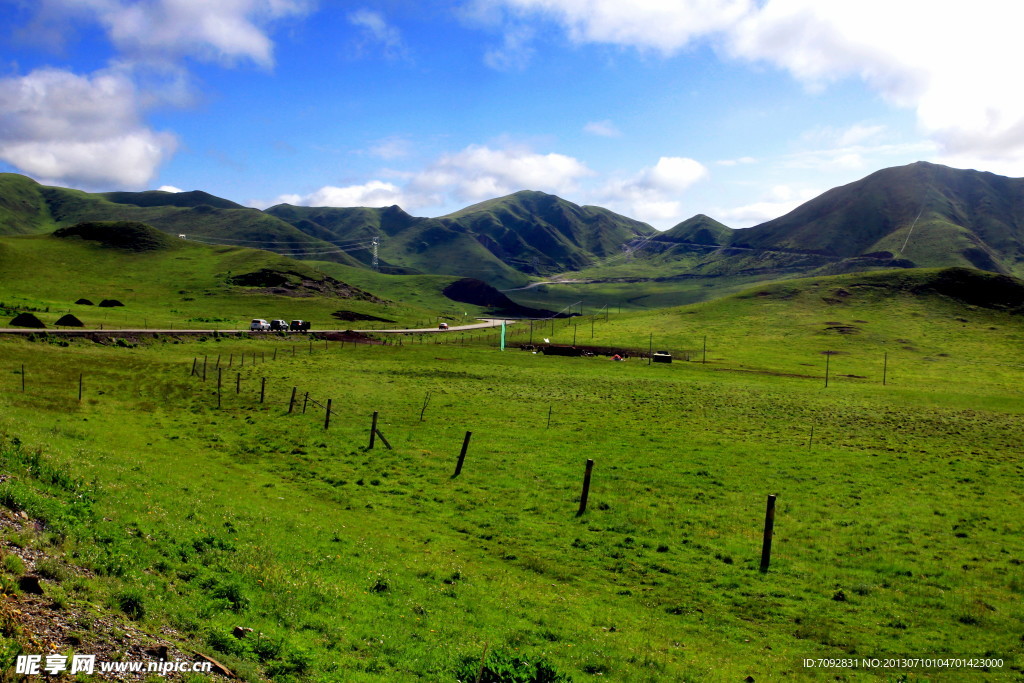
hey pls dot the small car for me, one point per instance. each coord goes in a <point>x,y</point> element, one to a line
<point>299,326</point>
<point>443,326</point>
<point>259,325</point>
<point>278,325</point>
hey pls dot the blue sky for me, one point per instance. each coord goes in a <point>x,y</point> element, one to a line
<point>658,110</point>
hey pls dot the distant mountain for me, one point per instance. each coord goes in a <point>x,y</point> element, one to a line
<point>26,207</point>
<point>923,215</point>
<point>500,241</point>
<point>920,215</point>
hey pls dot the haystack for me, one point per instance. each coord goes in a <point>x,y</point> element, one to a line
<point>110,303</point>
<point>27,320</point>
<point>84,302</point>
<point>69,321</point>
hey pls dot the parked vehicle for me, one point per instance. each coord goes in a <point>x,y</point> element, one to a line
<point>443,326</point>
<point>299,326</point>
<point>259,325</point>
<point>278,326</point>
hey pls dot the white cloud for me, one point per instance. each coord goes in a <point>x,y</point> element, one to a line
<point>953,63</point>
<point>662,25</point>
<point>394,147</point>
<point>79,130</point>
<point>169,188</point>
<point>376,31</point>
<point>374,193</point>
<point>515,51</point>
<point>604,129</point>
<point>653,195</point>
<point>778,201</point>
<point>737,162</point>
<point>479,172</point>
<point>226,30</point>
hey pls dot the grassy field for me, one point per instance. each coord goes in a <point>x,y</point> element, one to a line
<point>185,286</point>
<point>898,526</point>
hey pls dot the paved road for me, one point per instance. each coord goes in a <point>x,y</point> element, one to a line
<point>79,331</point>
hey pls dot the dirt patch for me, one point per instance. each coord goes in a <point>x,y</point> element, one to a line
<point>843,329</point>
<point>291,283</point>
<point>46,626</point>
<point>351,336</point>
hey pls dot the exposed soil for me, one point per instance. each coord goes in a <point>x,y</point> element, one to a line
<point>291,283</point>
<point>46,626</point>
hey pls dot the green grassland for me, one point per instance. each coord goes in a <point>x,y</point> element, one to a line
<point>183,284</point>
<point>898,527</point>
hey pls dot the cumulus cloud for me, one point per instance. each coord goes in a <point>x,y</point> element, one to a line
<point>375,193</point>
<point>480,172</point>
<point>169,188</point>
<point>226,30</point>
<point>653,195</point>
<point>79,130</point>
<point>604,129</point>
<point>961,91</point>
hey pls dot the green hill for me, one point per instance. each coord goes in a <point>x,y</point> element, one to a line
<point>923,215</point>
<point>165,282</point>
<point>500,241</point>
<point>26,207</point>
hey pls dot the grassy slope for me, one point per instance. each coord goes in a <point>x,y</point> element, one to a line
<point>182,286</point>
<point>897,533</point>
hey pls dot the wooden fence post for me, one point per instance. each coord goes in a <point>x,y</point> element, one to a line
<point>586,488</point>
<point>373,430</point>
<point>218,386</point>
<point>291,403</point>
<point>327,416</point>
<point>305,400</point>
<point>462,455</point>
<point>79,387</point>
<point>263,388</point>
<point>769,528</point>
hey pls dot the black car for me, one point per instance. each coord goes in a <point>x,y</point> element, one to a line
<point>278,325</point>
<point>299,326</point>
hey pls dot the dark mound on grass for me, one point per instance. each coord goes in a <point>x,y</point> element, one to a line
<point>477,292</point>
<point>977,288</point>
<point>125,235</point>
<point>292,283</point>
<point>352,316</point>
<point>84,302</point>
<point>110,303</point>
<point>69,321</point>
<point>27,320</point>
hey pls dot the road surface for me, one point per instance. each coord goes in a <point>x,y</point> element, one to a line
<point>81,331</point>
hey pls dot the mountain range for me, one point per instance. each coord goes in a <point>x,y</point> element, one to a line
<point>919,215</point>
